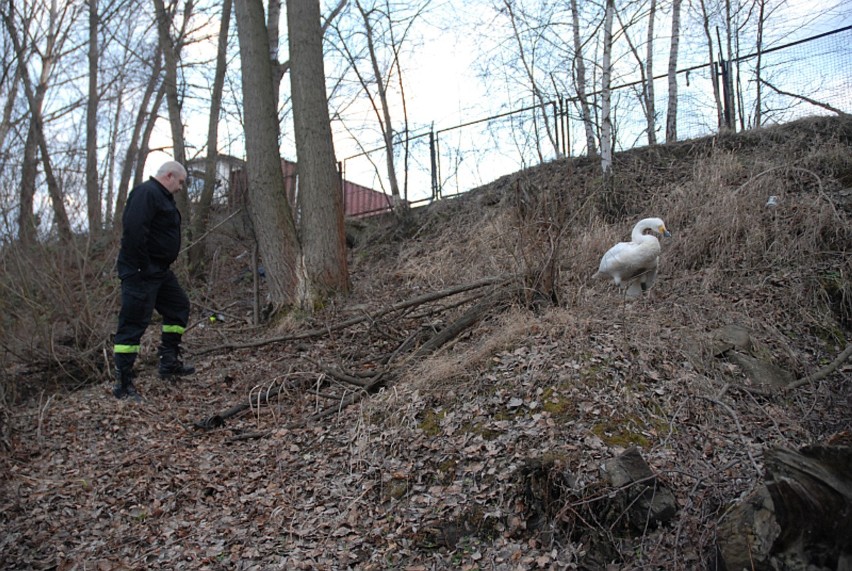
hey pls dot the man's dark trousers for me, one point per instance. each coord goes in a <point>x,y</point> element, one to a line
<point>140,296</point>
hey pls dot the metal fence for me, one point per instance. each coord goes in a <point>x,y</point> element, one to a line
<point>809,77</point>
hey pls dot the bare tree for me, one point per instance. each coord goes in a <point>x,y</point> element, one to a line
<point>606,90</point>
<point>758,95</point>
<point>10,91</point>
<point>268,208</point>
<point>59,22</point>
<point>529,70</point>
<point>171,48</point>
<point>705,20</point>
<point>143,125</point>
<point>580,82</point>
<point>197,252</point>
<point>374,53</point>
<point>323,236</point>
<point>93,195</point>
<point>646,70</point>
<point>671,112</point>
<point>650,106</point>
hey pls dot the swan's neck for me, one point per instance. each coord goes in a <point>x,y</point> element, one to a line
<point>639,237</point>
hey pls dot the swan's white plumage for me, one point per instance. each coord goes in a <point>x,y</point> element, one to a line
<point>633,265</point>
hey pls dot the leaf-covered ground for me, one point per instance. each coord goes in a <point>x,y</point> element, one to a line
<point>437,469</point>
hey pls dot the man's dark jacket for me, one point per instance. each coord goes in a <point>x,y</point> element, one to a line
<point>150,239</point>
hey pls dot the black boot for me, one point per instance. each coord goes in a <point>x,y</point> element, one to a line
<point>124,387</point>
<point>170,364</point>
<point>124,375</point>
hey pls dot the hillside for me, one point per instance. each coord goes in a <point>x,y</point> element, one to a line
<point>482,449</point>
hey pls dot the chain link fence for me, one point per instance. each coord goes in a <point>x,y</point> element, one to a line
<point>809,77</point>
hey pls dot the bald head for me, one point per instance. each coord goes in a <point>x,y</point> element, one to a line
<point>171,175</point>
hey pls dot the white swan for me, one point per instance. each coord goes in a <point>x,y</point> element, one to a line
<point>633,265</point>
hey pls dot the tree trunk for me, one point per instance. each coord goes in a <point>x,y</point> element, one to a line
<point>606,91</point>
<point>112,152</point>
<point>650,106</point>
<point>171,54</point>
<point>714,72</point>
<point>799,518</point>
<point>139,137</point>
<point>9,106</point>
<point>671,113</point>
<point>144,142</point>
<point>267,205</point>
<point>324,239</point>
<point>197,252</point>
<point>579,64</point>
<point>383,110</point>
<point>758,69</point>
<point>273,19</point>
<point>27,226</point>
<point>93,195</point>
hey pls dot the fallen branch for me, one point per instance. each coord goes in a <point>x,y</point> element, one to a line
<point>419,300</point>
<point>339,375</point>
<point>351,399</point>
<point>467,319</point>
<point>822,373</point>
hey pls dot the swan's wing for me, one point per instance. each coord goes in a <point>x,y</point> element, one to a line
<point>628,259</point>
<point>613,261</point>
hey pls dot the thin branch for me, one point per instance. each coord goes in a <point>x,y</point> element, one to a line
<point>804,98</point>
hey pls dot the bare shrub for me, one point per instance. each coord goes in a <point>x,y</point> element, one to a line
<point>57,308</point>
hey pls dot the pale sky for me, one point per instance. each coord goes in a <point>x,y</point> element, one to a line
<point>443,85</point>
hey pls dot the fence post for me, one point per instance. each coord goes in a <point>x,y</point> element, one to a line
<point>433,164</point>
<point>556,125</point>
<point>727,93</point>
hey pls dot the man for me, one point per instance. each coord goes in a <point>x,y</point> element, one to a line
<point>150,242</point>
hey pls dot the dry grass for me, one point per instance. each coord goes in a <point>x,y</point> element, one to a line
<point>781,272</point>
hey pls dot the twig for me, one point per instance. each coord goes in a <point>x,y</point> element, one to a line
<point>806,99</point>
<point>822,373</point>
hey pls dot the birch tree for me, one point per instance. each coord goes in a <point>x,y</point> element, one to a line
<point>606,90</point>
<point>650,106</point>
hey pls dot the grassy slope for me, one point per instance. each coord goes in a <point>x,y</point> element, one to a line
<point>434,470</point>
